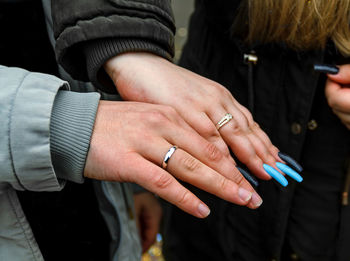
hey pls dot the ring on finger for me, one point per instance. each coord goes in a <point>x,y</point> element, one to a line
<point>224,120</point>
<point>168,156</point>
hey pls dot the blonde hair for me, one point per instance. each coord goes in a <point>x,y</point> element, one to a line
<point>300,24</point>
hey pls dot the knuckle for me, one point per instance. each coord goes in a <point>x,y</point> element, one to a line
<point>255,125</point>
<point>273,149</point>
<point>270,159</point>
<point>157,117</point>
<point>239,179</point>
<point>245,123</point>
<point>162,181</point>
<point>237,129</point>
<point>184,198</point>
<point>223,184</point>
<point>190,163</point>
<point>212,152</point>
<point>240,125</point>
<point>209,130</point>
<point>217,91</point>
<point>222,90</point>
<point>251,123</point>
<point>248,116</point>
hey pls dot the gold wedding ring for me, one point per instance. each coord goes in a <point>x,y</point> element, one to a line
<point>168,156</point>
<point>224,120</point>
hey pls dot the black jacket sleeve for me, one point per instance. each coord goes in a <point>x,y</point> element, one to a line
<point>88,33</point>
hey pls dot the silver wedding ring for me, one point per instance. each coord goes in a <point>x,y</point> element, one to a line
<point>224,120</point>
<point>168,156</point>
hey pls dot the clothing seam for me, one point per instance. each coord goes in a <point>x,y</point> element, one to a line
<point>19,221</point>
<point>9,132</point>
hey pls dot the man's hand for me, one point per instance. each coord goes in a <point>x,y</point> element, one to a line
<point>148,217</point>
<point>338,94</point>
<point>130,140</point>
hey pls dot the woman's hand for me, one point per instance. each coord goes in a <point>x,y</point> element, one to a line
<point>338,93</point>
<point>201,102</point>
<point>130,140</point>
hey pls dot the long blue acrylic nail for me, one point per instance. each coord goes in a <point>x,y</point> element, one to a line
<point>289,171</point>
<point>326,68</point>
<point>248,177</point>
<point>290,161</point>
<point>276,175</point>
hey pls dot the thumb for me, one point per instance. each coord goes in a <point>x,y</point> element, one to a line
<point>343,76</point>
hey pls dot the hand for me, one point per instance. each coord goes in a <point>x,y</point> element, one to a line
<point>201,102</point>
<point>338,93</point>
<point>129,142</point>
<point>148,216</point>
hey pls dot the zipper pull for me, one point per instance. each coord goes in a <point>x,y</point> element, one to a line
<point>250,58</point>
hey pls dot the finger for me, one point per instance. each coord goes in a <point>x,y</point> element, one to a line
<point>338,97</point>
<point>344,117</point>
<point>206,128</point>
<point>262,151</point>
<point>187,168</point>
<point>259,132</point>
<point>207,153</point>
<point>234,134</point>
<point>160,182</point>
<point>343,76</point>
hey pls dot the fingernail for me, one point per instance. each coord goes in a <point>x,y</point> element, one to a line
<point>244,194</point>
<point>256,200</point>
<point>203,210</point>
<point>290,161</point>
<point>248,177</point>
<point>276,175</point>
<point>289,171</point>
<point>326,68</point>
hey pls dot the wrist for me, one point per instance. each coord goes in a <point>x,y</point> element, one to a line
<point>118,66</point>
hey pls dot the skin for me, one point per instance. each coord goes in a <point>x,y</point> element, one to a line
<point>149,213</point>
<point>145,77</point>
<point>129,141</point>
<point>338,94</point>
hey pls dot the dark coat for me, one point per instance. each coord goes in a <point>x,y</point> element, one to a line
<point>302,221</point>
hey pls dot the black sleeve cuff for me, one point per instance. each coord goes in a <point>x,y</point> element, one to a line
<point>97,52</point>
<point>72,121</point>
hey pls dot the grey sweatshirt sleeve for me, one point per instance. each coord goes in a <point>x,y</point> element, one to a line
<point>26,106</point>
<point>72,121</point>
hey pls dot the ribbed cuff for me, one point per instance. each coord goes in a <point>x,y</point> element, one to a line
<point>97,52</point>
<point>72,121</point>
